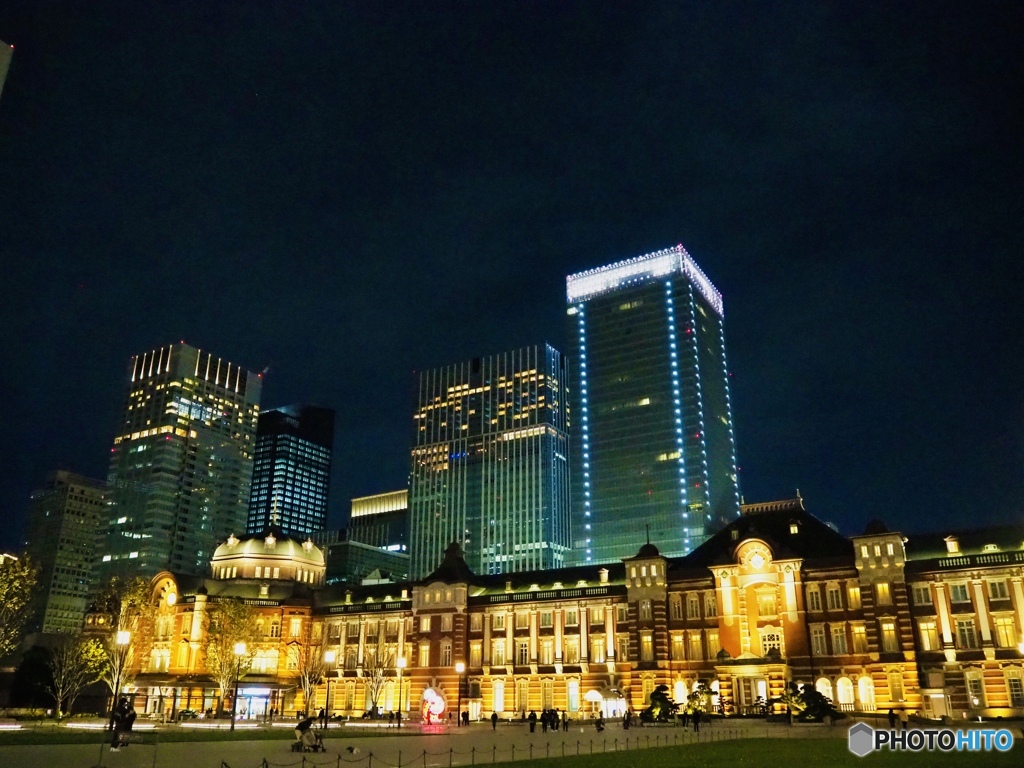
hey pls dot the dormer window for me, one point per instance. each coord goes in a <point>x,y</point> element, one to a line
<point>952,545</point>
<point>990,548</point>
<point>734,534</point>
<point>794,527</point>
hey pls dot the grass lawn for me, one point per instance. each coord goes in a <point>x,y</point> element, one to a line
<point>775,753</point>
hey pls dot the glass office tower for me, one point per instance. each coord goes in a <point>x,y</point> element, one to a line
<point>292,470</point>
<point>653,447</point>
<point>490,463</point>
<point>61,536</point>
<point>181,463</point>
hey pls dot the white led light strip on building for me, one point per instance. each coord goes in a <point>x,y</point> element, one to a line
<point>594,282</point>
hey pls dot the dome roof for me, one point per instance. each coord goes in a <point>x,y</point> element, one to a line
<point>272,544</point>
<point>648,550</point>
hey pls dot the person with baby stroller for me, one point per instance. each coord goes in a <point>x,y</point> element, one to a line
<point>306,737</point>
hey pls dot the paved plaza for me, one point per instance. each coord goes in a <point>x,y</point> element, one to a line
<point>382,748</point>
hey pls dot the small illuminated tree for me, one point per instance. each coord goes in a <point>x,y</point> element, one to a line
<point>17,587</point>
<point>229,622</point>
<point>309,658</point>
<point>127,607</point>
<point>75,662</point>
<point>379,666</point>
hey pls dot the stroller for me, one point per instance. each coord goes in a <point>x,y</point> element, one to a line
<point>307,739</point>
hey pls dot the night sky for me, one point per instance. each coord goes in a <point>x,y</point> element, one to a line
<point>348,192</point>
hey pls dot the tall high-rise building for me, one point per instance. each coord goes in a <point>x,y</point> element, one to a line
<point>181,462</point>
<point>6,51</point>
<point>61,537</point>
<point>654,455</point>
<point>490,463</point>
<point>381,520</point>
<point>292,471</point>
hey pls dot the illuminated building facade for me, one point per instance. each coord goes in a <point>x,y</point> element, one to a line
<point>62,534</point>
<point>490,463</point>
<point>181,464</point>
<point>930,624</point>
<point>292,470</point>
<point>653,448</point>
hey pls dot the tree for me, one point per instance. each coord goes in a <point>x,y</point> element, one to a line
<point>75,662</point>
<point>17,588</point>
<point>378,668</point>
<point>127,605</point>
<point>699,699</point>
<point>309,658</point>
<point>807,703</point>
<point>662,708</point>
<point>229,622</point>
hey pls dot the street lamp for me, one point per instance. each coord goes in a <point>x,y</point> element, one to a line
<point>239,653</point>
<point>329,657</point>
<point>400,665</point>
<point>460,668</point>
<point>122,640</point>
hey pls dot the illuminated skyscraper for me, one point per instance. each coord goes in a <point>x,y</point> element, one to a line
<point>653,445</point>
<point>490,466</point>
<point>292,471</point>
<point>61,536</point>
<point>181,462</point>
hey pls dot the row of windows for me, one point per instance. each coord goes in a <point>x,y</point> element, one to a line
<point>960,593</point>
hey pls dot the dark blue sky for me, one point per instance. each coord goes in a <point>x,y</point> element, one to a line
<point>347,192</point>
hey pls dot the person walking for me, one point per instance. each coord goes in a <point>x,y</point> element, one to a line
<point>892,719</point>
<point>565,721</point>
<point>532,720</point>
<point>494,721</point>
<point>322,717</point>
<point>904,718</point>
<point>696,721</point>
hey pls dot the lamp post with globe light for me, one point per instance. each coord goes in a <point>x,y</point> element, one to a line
<point>329,659</point>
<point>122,641</point>
<point>399,666</point>
<point>240,649</point>
<point>460,669</point>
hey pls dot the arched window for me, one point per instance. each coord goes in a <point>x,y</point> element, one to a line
<point>844,694</point>
<point>824,687</point>
<point>680,693</point>
<point>275,628</point>
<point>866,691</point>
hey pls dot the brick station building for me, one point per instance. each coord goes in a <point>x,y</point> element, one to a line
<point>876,621</point>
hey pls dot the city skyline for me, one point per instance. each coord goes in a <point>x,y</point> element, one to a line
<point>348,195</point>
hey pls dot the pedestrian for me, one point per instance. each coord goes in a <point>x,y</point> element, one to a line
<point>686,717</point>
<point>391,718</point>
<point>533,721</point>
<point>322,717</point>
<point>124,717</point>
<point>565,721</point>
<point>892,719</point>
<point>544,721</point>
<point>696,721</point>
<point>494,721</point>
<point>599,723</point>
<point>904,718</point>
